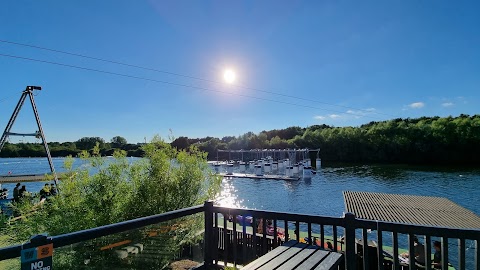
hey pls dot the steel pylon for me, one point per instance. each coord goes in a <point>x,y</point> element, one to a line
<point>39,134</point>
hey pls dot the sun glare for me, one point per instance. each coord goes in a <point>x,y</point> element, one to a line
<point>229,76</point>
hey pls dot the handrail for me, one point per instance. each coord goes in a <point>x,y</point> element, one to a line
<point>88,234</point>
<point>345,222</point>
<point>418,229</point>
<point>348,222</point>
<point>359,223</point>
<point>338,221</point>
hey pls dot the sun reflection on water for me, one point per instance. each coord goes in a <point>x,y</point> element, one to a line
<point>228,196</point>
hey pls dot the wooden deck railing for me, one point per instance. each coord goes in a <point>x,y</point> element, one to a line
<point>238,244</point>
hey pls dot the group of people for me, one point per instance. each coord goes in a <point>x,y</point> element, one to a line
<point>19,192</point>
<point>48,190</point>
<point>419,252</point>
<point>270,229</point>
<point>3,193</point>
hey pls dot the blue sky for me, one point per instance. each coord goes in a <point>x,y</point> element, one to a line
<point>347,62</point>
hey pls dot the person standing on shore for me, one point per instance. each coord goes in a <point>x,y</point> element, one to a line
<point>22,192</point>
<point>16,192</point>
<point>53,190</point>
<point>45,191</point>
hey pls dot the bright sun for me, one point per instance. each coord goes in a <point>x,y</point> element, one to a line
<point>229,76</point>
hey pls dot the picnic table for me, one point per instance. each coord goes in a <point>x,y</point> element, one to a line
<point>295,255</point>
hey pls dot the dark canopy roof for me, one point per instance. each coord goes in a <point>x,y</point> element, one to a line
<point>409,209</point>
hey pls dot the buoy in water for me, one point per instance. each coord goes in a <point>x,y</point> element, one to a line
<point>267,168</point>
<point>258,170</point>
<point>274,166</point>
<point>229,168</point>
<point>242,166</point>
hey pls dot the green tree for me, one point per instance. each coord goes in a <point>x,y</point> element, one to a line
<point>165,179</point>
<point>181,143</point>
<point>424,140</point>
<point>87,143</point>
<point>278,143</point>
<point>118,142</point>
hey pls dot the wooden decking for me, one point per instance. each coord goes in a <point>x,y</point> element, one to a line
<point>294,255</point>
<point>23,178</point>
<point>30,178</point>
<point>265,176</point>
<point>409,209</point>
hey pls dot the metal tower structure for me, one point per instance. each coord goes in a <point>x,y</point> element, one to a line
<point>38,134</point>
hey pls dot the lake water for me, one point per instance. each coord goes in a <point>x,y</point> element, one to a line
<point>321,195</point>
<point>28,166</point>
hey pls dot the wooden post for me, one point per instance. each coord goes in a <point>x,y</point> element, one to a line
<point>411,252</point>
<point>396,264</point>
<point>350,255</point>
<point>208,240</point>
<point>428,250</point>
<point>365,249</point>
<point>380,248</point>
<point>444,241</point>
<point>477,254</point>
<point>461,254</point>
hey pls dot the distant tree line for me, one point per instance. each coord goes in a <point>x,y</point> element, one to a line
<point>424,140</point>
<point>64,149</point>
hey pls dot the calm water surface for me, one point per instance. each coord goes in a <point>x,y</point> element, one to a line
<point>27,166</point>
<point>321,195</point>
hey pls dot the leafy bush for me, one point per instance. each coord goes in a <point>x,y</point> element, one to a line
<point>165,179</point>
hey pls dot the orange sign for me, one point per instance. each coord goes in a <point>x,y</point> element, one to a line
<point>44,251</point>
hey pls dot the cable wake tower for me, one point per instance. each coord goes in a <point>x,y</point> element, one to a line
<point>38,134</point>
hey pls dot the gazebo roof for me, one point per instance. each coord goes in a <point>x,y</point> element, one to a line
<point>410,209</point>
